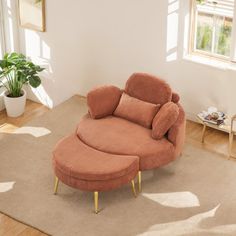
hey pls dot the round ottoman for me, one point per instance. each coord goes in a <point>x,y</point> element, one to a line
<point>82,167</point>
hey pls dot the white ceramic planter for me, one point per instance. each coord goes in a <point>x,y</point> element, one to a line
<point>15,106</point>
<point>2,106</point>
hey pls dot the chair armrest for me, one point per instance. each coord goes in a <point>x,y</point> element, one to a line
<point>102,101</point>
<point>176,133</point>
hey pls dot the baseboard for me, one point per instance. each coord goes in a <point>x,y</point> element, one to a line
<point>191,116</point>
<point>81,96</point>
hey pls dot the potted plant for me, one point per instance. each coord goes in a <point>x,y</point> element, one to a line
<point>15,71</point>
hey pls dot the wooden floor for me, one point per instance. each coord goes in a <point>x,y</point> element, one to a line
<point>32,110</point>
<point>215,141</point>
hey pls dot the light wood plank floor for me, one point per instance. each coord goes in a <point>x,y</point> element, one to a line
<point>215,141</point>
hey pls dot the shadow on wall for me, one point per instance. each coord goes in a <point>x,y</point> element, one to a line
<point>40,54</point>
<point>177,30</point>
<point>172,30</point>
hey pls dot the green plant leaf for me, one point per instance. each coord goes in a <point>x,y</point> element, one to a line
<point>34,81</point>
<point>39,69</point>
<point>18,70</point>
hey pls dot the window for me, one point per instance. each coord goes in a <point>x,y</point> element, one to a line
<point>2,45</point>
<point>212,28</point>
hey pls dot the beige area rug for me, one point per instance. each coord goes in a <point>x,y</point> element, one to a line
<point>193,196</point>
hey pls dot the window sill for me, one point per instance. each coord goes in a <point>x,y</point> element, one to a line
<point>212,62</point>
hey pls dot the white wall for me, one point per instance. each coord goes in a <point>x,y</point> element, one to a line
<point>90,42</point>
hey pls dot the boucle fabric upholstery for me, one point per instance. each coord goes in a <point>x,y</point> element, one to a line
<point>107,151</point>
<point>148,88</point>
<point>80,166</point>
<point>175,97</point>
<point>164,119</point>
<point>119,136</point>
<point>103,101</point>
<point>136,110</point>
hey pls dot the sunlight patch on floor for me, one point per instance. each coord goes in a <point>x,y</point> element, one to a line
<point>34,131</point>
<point>7,128</point>
<point>6,186</point>
<point>190,226</point>
<point>176,199</point>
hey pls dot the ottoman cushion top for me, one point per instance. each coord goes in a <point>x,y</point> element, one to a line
<point>74,158</point>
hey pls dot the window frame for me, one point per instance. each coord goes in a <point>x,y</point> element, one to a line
<point>2,31</point>
<point>193,35</point>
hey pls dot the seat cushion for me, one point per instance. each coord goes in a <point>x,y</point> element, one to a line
<point>119,136</point>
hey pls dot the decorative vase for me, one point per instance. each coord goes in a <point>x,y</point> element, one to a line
<point>15,106</point>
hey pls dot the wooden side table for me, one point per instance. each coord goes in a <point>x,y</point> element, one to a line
<point>228,128</point>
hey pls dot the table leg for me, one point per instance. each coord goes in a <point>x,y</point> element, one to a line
<point>231,136</point>
<point>203,132</point>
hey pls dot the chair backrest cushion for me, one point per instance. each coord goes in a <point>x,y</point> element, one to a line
<point>148,88</point>
<point>102,101</point>
<point>136,110</point>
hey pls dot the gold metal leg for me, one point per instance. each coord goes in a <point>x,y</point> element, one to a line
<point>133,188</point>
<point>56,185</point>
<point>96,202</point>
<point>139,181</point>
<point>203,132</point>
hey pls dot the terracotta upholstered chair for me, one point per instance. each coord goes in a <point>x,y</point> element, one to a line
<point>128,131</point>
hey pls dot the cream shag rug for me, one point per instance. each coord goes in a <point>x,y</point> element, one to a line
<point>196,195</point>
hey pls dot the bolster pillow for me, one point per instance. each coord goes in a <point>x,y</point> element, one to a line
<point>164,119</point>
<point>102,101</point>
<point>136,110</point>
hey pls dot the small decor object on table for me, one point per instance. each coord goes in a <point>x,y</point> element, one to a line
<point>212,116</point>
<point>217,120</point>
<point>15,71</point>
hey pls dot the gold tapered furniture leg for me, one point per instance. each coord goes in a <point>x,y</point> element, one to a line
<point>56,185</point>
<point>133,188</point>
<point>139,181</point>
<point>96,202</point>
